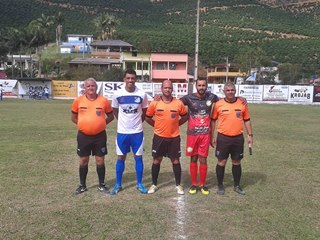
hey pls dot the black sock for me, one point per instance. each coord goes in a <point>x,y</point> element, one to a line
<point>177,173</point>
<point>101,170</point>
<point>83,171</point>
<point>236,172</point>
<point>220,174</point>
<point>155,169</point>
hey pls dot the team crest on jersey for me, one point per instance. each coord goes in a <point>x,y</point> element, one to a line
<point>98,113</point>
<point>137,100</point>
<point>208,103</point>
<point>238,114</point>
<point>173,115</point>
<point>130,109</point>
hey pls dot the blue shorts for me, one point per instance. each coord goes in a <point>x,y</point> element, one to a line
<point>134,141</point>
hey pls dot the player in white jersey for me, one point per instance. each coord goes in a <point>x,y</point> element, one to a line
<point>129,107</point>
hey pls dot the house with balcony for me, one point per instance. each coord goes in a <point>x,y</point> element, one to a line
<point>169,66</point>
<point>140,62</point>
<point>222,73</point>
<point>76,43</point>
<point>104,55</point>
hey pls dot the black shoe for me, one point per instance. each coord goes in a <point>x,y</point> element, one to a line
<point>220,190</point>
<point>81,189</point>
<point>239,190</point>
<point>102,188</point>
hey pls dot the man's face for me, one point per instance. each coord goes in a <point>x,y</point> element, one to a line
<point>201,87</point>
<point>90,87</point>
<point>167,89</point>
<point>230,92</point>
<point>130,80</point>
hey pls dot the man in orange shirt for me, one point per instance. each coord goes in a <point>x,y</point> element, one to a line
<point>231,114</point>
<point>89,113</point>
<point>166,116</point>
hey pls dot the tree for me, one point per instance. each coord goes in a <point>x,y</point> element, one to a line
<point>289,73</point>
<point>39,29</point>
<point>58,20</point>
<point>105,26</point>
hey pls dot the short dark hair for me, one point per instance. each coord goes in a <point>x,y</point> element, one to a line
<point>130,71</point>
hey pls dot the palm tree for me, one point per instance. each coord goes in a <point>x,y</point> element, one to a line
<point>39,29</point>
<point>105,25</point>
<point>58,20</point>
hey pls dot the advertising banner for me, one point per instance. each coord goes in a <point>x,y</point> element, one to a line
<point>147,88</point>
<point>80,88</point>
<point>64,89</point>
<point>253,93</point>
<point>218,90</point>
<point>108,88</point>
<point>316,94</point>
<point>301,94</point>
<point>8,86</point>
<point>275,93</point>
<point>34,89</point>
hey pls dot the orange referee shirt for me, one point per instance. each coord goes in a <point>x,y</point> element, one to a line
<point>166,117</point>
<point>230,117</point>
<point>91,114</point>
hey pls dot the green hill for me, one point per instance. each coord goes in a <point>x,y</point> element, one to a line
<point>288,31</point>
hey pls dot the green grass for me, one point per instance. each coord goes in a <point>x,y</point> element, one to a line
<point>39,173</point>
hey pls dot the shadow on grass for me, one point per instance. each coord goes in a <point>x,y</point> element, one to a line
<point>166,179</point>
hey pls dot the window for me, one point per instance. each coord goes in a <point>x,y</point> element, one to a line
<point>161,66</point>
<point>172,66</point>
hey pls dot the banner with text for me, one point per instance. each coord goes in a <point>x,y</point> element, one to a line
<point>275,93</point>
<point>253,93</point>
<point>8,87</point>
<point>301,94</point>
<point>64,89</point>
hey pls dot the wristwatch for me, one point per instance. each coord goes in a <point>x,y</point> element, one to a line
<point>251,135</point>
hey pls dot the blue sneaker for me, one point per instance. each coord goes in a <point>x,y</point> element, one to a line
<point>116,188</point>
<point>141,188</point>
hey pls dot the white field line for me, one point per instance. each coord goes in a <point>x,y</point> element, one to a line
<point>180,217</point>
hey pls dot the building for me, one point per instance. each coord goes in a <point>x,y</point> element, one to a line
<point>76,43</point>
<point>169,66</point>
<point>221,73</point>
<point>140,62</point>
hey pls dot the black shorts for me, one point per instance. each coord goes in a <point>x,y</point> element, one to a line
<point>166,147</point>
<point>95,145</point>
<point>227,145</point>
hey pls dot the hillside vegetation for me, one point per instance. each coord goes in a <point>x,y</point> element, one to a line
<point>288,31</point>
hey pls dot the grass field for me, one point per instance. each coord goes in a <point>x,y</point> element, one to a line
<point>39,173</point>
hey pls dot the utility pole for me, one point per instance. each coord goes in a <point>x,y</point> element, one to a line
<point>197,44</point>
<point>227,69</point>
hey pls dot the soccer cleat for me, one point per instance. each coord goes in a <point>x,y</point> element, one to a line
<point>81,189</point>
<point>142,189</point>
<point>220,190</point>
<point>204,190</point>
<point>179,189</point>
<point>239,190</point>
<point>116,188</point>
<point>102,188</point>
<point>193,189</point>
<point>153,189</point>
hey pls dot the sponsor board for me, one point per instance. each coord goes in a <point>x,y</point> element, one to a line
<point>316,94</point>
<point>275,93</point>
<point>301,94</point>
<point>64,89</point>
<point>253,93</point>
<point>8,87</point>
